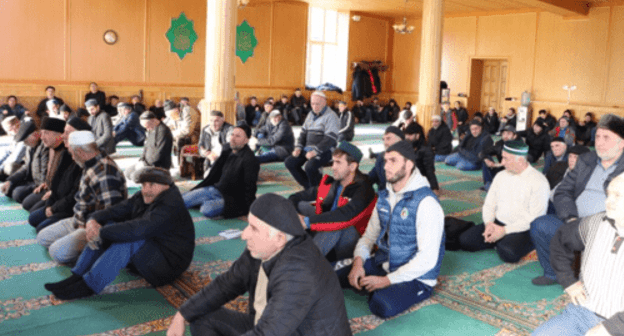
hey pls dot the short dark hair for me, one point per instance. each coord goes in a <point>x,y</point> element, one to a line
<point>215,113</point>
<point>50,87</point>
<point>184,98</point>
<point>409,102</point>
<point>350,159</point>
<point>113,97</point>
<point>12,96</point>
<point>542,111</point>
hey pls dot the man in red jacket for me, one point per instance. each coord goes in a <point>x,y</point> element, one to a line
<point>338,209</point>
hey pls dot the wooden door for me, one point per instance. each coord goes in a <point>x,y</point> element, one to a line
<point>493,85</point>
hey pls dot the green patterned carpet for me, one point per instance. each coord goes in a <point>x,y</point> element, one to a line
<point>477,293</point>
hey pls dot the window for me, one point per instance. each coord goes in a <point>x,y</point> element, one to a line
<point>328,44</point>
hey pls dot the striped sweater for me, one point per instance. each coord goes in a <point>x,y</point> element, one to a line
<point>602,266</point>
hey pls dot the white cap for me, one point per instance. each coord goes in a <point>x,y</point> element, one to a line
<point>79,138</point>
<point>319,93</point>
<point>275,113</point>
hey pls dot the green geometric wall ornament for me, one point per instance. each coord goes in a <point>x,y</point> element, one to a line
<point>181,35</point>
<point>246,41</point>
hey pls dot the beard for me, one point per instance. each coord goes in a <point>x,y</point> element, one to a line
<point>399,175</point>
<point>610,154</point>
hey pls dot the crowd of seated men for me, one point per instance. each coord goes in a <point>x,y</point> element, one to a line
<point>62,172</point>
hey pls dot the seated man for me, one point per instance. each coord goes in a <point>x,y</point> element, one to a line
<point>95,93</point>
<point>467,156</point>
<point>157,149</point>
<point>440,139</point>
<point>347,122</point>
<point>538,141</point>
<point>407,226</point>
<point>12,108</point>
<point>582,192</point>
<point>213,137</point>
<point>264,116</point>
<point>64,185</point>
<point>275,141</point>
<point>558,153</point>
<point>597,306</point>
<point>565,130</point>
<point>50,94</point>
<point>518,195</point>
<point>102,127</point>
<point>584,129</point>
<point>462,119</point>
<point>547,120</point>
<point>508,119</point>
<point>147,232</point>
<point>559,170</point>
<point>377,175</point>
<point>292,288</point>
<point>33,172</point>
<point>491,122</point>
<point>111,107</point>
<point>313,149</point>
<point>58,160</point>
<point>343,205</point>
<point>137,105</point>
<point>252,111</point>
<point>230,187</point>
<point>102,185</point>
<point>425,162</point>
<point>298,107</point>
<point>11,156</point>
<point>188,128</point>
<point>283,106</point>
<point>158,109</point>
<point>129,127</point>
<point>491,168</point>
<point>54,109</point>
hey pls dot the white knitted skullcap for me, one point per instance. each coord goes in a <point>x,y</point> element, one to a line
<point>79,138</point>
<point>319,93</point>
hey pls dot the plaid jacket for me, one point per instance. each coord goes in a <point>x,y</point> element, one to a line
<point>102,185</point>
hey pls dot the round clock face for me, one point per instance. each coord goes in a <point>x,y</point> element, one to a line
<point>110,37</point>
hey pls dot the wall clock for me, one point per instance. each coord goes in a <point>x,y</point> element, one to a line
<point>110,37</point>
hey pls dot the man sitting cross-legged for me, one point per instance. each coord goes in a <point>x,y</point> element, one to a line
<point>292,288</point>
<point>32,173</point>
<point>518,195</point>
<point>58,160</point>
<point>407,226</point>
<point>230,187</point>
<point>102,185</point>
<point>157,150</point>
<point>597,295</point>
<point>64,185</point>
<point>467,155</point>
<point>147,231</point>
<point>129,127</point>
<point>275,140</point>
<point>343,205</point>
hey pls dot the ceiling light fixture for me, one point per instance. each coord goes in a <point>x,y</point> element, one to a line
<point>403,28</point>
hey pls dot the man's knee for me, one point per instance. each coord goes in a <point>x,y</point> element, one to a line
<point>543,227</point>
<point>382,306</point>
<point>62,254</point>
<point>508,254</point>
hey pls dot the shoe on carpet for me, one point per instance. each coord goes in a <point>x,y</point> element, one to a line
<point>62,284</point>
<point>543,281</point>
<point>76,290</point>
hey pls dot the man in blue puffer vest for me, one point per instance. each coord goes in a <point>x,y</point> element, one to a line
<point>408,227</point>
